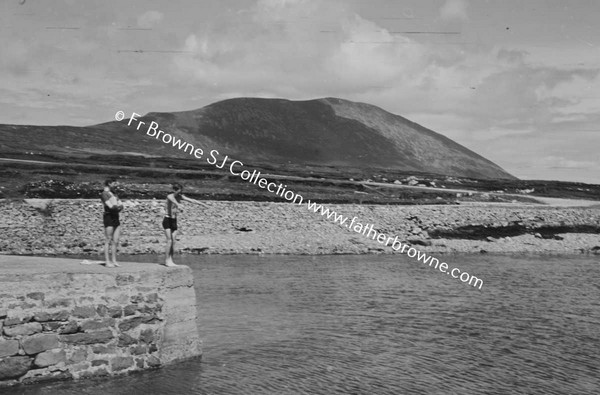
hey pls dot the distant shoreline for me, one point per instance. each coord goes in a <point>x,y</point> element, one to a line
<point>74,227</point>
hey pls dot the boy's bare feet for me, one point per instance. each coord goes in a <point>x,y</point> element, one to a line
<point>169,262</point>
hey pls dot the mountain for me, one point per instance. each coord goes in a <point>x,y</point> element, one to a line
<point>329,131</point>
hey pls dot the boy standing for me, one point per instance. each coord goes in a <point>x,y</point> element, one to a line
<point>112,229</point>
<point>172,206</point>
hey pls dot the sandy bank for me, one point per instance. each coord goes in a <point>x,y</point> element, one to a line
<point>74,227</point>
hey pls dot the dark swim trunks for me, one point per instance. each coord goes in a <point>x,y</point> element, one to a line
<point>170,223</point>
<point>111,219</point>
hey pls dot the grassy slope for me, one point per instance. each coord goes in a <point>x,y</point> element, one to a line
<point>150,177</point>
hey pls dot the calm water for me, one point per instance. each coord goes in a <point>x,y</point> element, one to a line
<point>382,325</point>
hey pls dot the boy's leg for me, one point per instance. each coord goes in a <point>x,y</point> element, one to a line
<point>173,239</point>
<point>168,247</point>
<point>115,239</point>
<point>169,260</point>
<point>108,236</point>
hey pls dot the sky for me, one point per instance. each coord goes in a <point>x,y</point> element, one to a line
<point>518,82</point>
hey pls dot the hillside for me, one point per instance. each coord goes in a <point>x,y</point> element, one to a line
<point>323,132</point>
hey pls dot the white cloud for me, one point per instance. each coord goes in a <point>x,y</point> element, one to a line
<point>301,49</point>
<point>149,19</point>
<point>489,98</point>
<point>454,9</point>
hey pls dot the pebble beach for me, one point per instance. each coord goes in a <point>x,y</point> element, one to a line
<point>74,226</point>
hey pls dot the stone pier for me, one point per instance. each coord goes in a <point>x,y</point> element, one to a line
<point>60,319</point>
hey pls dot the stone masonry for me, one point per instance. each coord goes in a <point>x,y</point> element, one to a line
<point>63,320</point>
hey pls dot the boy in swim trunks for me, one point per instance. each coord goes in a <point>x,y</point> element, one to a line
<point>172,206</point>
<point>112,229</point>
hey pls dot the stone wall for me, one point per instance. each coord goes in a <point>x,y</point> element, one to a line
<point>60,319</point>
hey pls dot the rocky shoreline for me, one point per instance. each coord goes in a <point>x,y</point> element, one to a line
<point>74,226</point>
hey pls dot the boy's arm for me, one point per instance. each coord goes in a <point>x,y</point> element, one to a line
<point>107,198</point>
<point>187,199</point>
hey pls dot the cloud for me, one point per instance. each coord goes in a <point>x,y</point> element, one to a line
<point>489,98</point>
<point>562,162</point>
<point>512,55</point>
<point>454,9</point>
<point>302,49</point>
<point>149,19</point>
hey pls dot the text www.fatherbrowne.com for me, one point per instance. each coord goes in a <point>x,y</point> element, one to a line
<point>254,177</point>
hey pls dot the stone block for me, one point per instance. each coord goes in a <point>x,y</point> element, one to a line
<point>43,316</point>
<point>102,372</point>
<point>71,327</point>
<point>8,348</point>
<point>23,330</point>
<point>79,367</point>
<point>38,343</point>
<point>63,302</point>
<point>99,362</point>
<point>153,361</point>
<point>3,313</point>
<point>124,279</point>
<point>134,322</point>
<point>102,310</point>
<point>78,356</point>
<point>137,350</point>
<point>91,325</point>
<point>52,326</point>
<point>49,358</point>
<point>84,311</point>
<point>36,295</point>
<point>87,299</point>
<point>10,321</point>
<point>148,310</point>
<point>129,310</point>
<point>14,367</point>
<point>115,312</point>
<point>102,349</point>
<point>139,363</point>
<point>152,298</point>
<point>147,335</point>
<point>126,340</point>
<point>102,336</point>
<point>121,363</point>
<point>56,376</point>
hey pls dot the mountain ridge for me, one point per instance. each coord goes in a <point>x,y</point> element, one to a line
<point>327,131</point>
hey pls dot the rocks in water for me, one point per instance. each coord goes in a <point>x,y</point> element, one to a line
<point>420,242</point>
